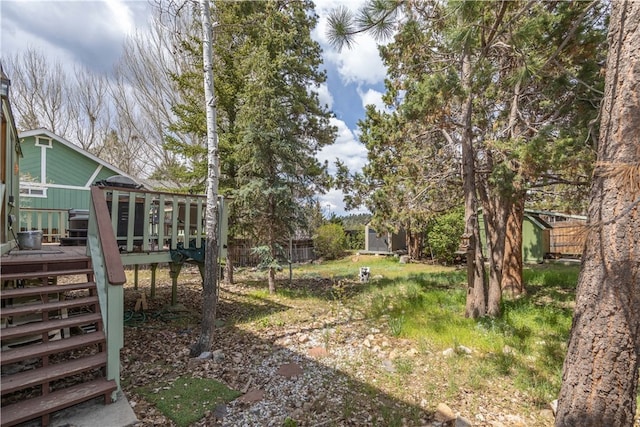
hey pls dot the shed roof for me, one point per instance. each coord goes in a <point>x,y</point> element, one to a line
<point>539,222</point>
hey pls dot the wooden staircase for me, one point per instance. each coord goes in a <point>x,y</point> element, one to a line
<point>53,339</point>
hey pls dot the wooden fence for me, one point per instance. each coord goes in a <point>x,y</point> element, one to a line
<point>567,238</point>
<point>241,252</point>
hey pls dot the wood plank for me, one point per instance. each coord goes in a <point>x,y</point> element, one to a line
<point>111,254</point>
<point>38,308</point>
<point>34,377</point>
<point>61,399</point>
<point>42,290</point>
<point>51,273</point>
<point>41,327</point>
<point>42,349</point>
<point>51,262</point>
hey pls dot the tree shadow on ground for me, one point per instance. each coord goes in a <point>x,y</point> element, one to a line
<point>327,391</point>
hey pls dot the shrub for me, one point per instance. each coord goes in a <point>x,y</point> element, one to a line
<point>355,239</point>
<point>330,241</point>
<point>444,233</point>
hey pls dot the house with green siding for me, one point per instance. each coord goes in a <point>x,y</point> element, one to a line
<point>9,168</point>
<point>55,176</point>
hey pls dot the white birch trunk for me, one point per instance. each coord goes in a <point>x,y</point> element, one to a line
<point>210,288</point>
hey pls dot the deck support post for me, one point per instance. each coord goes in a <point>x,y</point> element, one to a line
<point>154,268</point>
<point>136,268</point>
<point>175,268</point>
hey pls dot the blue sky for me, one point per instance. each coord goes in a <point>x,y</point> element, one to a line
<point>91,33</point>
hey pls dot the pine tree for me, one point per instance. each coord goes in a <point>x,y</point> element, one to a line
<point>270,121</point>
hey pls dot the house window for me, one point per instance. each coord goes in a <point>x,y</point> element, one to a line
<point>43,142</point>
<point>30,190</point>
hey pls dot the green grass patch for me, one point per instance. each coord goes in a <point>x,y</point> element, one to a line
<point>349,268</point>
<point>186,399</point>
<point>527,344</point>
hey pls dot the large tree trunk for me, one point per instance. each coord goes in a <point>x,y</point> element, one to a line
<point>512,283</point>
<point>476,305</point>
<point>210,285</point>
<point>495,209</point>
<point>495,217</point>
<point>600,378</point>
<point>414,244</point>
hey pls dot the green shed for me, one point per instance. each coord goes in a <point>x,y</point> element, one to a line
<point>535,237</point>
<point>55,176</point>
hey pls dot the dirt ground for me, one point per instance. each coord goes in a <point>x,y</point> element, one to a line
<point>316,362</point>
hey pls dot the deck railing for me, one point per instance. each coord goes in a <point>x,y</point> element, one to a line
<point>130,227</point>
<point>52,222</point>
<point>109,277</point>
<point>148,224</point>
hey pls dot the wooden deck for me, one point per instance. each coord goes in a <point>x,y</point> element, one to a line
<point>49,254</point>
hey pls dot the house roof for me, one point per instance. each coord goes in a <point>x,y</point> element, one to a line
<point>539,222</point>
<point>557,214</point>
<point>49,134</point>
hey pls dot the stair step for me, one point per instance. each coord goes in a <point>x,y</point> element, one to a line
<point>34,377</point>
<point>61,399</point>
<point>47,307</point>
<point>51,347</point>
<point>41,327</point>
<point>39,274</point>
<point>41,290</point>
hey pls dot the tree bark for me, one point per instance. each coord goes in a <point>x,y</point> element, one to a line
<point>272,280</point>
<point>476,305</point>
<point>210,285</point>
<point>229,270</point>
<point>494,209</point>
<point>600,376</point>
<point>512,283</point>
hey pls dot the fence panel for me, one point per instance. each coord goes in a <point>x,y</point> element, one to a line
<point>566,238</point>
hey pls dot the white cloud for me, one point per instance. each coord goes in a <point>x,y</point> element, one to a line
<point>89,33</point>
<point>122,16</point>
<point>347,148</point>
<point>360,64</point>
<point>372,97</point>
<point>324,95</point>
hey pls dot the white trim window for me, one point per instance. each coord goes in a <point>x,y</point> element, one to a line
<point>42,141</point>
<point>29,189</point>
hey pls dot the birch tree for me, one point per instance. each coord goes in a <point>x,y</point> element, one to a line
<point>210,285</point>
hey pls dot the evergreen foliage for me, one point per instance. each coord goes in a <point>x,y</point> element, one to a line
<point>271,124</point>
<point>443,235</point>
<point>509,90</point>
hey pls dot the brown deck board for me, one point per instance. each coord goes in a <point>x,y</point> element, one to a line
<point>38,350</point>
<point>40,327</point>
<point>34,408</point>
<point>48,254</point>
<point>33,377</point>
<point>38,308</point>
<point>41,290</point>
